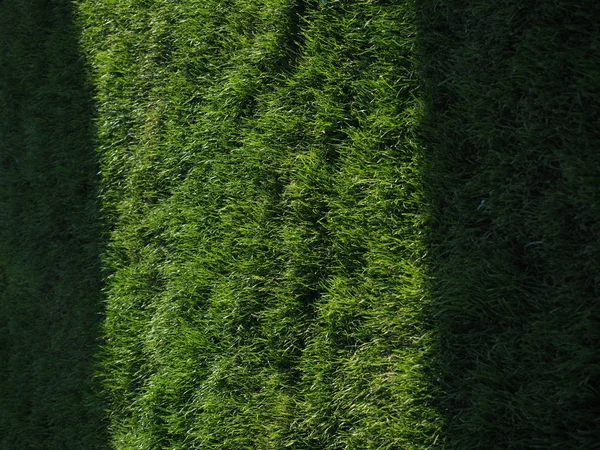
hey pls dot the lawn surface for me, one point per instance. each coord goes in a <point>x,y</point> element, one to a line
<point>331,224</point>
<point>262,174</point>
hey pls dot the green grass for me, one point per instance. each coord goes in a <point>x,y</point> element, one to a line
<point>261,169</point>
<point>512,137</point>
<point>349,224</point>
<point>50,242</point>
<point>331,224</point>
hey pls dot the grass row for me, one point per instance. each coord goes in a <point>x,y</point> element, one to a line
<point>261,170</point>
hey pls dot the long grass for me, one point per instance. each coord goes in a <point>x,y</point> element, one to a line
<point>349,224</point>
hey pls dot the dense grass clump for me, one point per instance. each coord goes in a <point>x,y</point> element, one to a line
<point>49,234</point>
<point>262,174</point>
<point>513,142</point>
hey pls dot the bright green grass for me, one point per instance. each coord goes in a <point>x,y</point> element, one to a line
<point>49,234</point>
<point>262,172</point>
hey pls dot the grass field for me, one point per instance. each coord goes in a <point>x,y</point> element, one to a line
<point>332,224</point>
<point>261,170</point>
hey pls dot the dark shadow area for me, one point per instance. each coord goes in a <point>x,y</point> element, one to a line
<point>512,115</point>
<point>50,235</point>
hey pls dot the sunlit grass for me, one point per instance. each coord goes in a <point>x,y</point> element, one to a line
<point>262,171</point>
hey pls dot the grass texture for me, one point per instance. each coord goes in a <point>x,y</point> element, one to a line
<point>262,174</point>
<point>50,242</point>
<point>349,225</point>
<point>331,224</point>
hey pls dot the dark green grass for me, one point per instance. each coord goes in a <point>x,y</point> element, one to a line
<point>49,234</point>
<point>513,138</point>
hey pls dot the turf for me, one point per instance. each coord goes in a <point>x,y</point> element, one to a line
<point>50,240</point>
<point>349,224</point>
<point>331,224</point>
<point>261,169</point>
